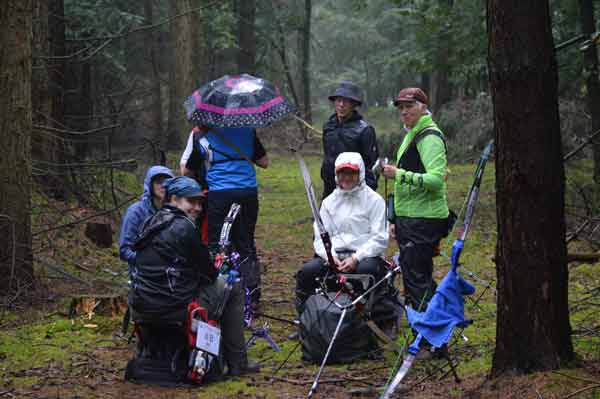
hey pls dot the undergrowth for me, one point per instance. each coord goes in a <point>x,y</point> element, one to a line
<point>44,337</point>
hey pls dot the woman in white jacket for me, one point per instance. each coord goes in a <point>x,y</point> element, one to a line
<point>354,216</point>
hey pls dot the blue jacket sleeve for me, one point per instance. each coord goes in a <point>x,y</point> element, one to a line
<point>132,221</point>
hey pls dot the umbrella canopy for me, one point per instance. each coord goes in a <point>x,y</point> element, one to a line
<point>237,101</point>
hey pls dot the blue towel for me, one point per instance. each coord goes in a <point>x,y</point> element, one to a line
<point>445,310</point>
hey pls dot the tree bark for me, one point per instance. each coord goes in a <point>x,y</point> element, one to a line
<point>183,79</point>
<point>306,61</point>
<point>155,114</point>
<point>246,57</point>
<point>532,331</point>
<point>590,72</point>
<point>15,144</point>
<point>56,72</point>
<point>47,90</point>
<point>441,90</point>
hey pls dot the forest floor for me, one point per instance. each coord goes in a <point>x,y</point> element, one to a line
<point>47,353</point>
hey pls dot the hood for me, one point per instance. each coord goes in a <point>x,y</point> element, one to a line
<point>152,173</point>
<point>352,158</point>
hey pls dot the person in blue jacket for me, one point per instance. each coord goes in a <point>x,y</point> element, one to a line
<point>150,201</point>
<point>227,157</point>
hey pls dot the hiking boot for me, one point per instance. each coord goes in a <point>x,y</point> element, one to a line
<point>250,368</point>
<point>441,352</point>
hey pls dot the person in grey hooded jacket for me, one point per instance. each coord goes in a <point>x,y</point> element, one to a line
<point>137,213</point>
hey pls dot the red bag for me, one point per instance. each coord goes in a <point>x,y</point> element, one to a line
<point>200,361</point>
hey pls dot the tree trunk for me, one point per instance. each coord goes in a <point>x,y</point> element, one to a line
<point>281,48</point>
<point>246,57</point>
<point>306,60</point>
<point>56,73</point>
<point>15,144</point>
<point>590,72</point>
<point>78,101</point>
<point>426,82</point>
<point>441,90</point>
<point>183,79</point>
<point>533,331</point>
<point>154,113</point>
<point>40,97</point>
<point>47,92</point>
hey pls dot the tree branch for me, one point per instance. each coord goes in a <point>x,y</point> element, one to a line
<point>585,143</point>
<point>84,219</point>
<point>63,131</point>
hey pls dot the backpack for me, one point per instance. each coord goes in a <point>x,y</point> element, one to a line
<point>167,354</point>
<point>318,322</point>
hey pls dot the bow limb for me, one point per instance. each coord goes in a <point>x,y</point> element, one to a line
<point>310,193</point>
<point>472,198</point>
<point>413,349</point>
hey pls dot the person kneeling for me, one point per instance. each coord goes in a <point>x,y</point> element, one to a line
<point>172,268</point>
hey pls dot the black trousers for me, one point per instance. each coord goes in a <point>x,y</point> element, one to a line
<point>242,231</point>
<point>417,239</point>
<point>306,283</point>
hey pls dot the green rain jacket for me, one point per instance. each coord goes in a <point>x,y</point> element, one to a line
<point>423,195</point>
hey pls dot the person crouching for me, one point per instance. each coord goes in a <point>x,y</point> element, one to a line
<point>173,267</point>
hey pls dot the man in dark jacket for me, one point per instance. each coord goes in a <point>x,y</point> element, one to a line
<point>137,213</point>
<point>347,131</point>
<point>172,266</point>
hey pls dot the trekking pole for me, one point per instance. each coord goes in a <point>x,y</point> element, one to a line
<point>344,309</point>
<point>315,383</point>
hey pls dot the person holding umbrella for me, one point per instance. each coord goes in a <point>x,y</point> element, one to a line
<point>347,131</point>
<point>231,178</point>
<point>225,113</point>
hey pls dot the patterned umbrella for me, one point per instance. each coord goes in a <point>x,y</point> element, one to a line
<point>237,101</point>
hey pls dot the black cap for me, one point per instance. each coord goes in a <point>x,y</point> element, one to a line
<point>349,90</point>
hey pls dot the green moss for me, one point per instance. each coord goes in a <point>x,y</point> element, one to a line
<point>284,235</point>
<point>55,340</point>
<point>230,388</point>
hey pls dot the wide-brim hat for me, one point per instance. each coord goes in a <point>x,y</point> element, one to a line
<point>349,90</point>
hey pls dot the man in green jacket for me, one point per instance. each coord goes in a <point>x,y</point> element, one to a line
<point>420,199</point>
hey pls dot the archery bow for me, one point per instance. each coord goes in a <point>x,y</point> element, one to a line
<point>323,233</point>
<point>457,248</point>
<point>459,243</point>
<point>326,239</point>
<point>228,261</point>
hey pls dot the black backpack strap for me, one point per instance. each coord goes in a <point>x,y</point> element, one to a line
<point>420,136</point>
<point>233,146</point>
<point>428,131</point>
<point>151,228</point>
